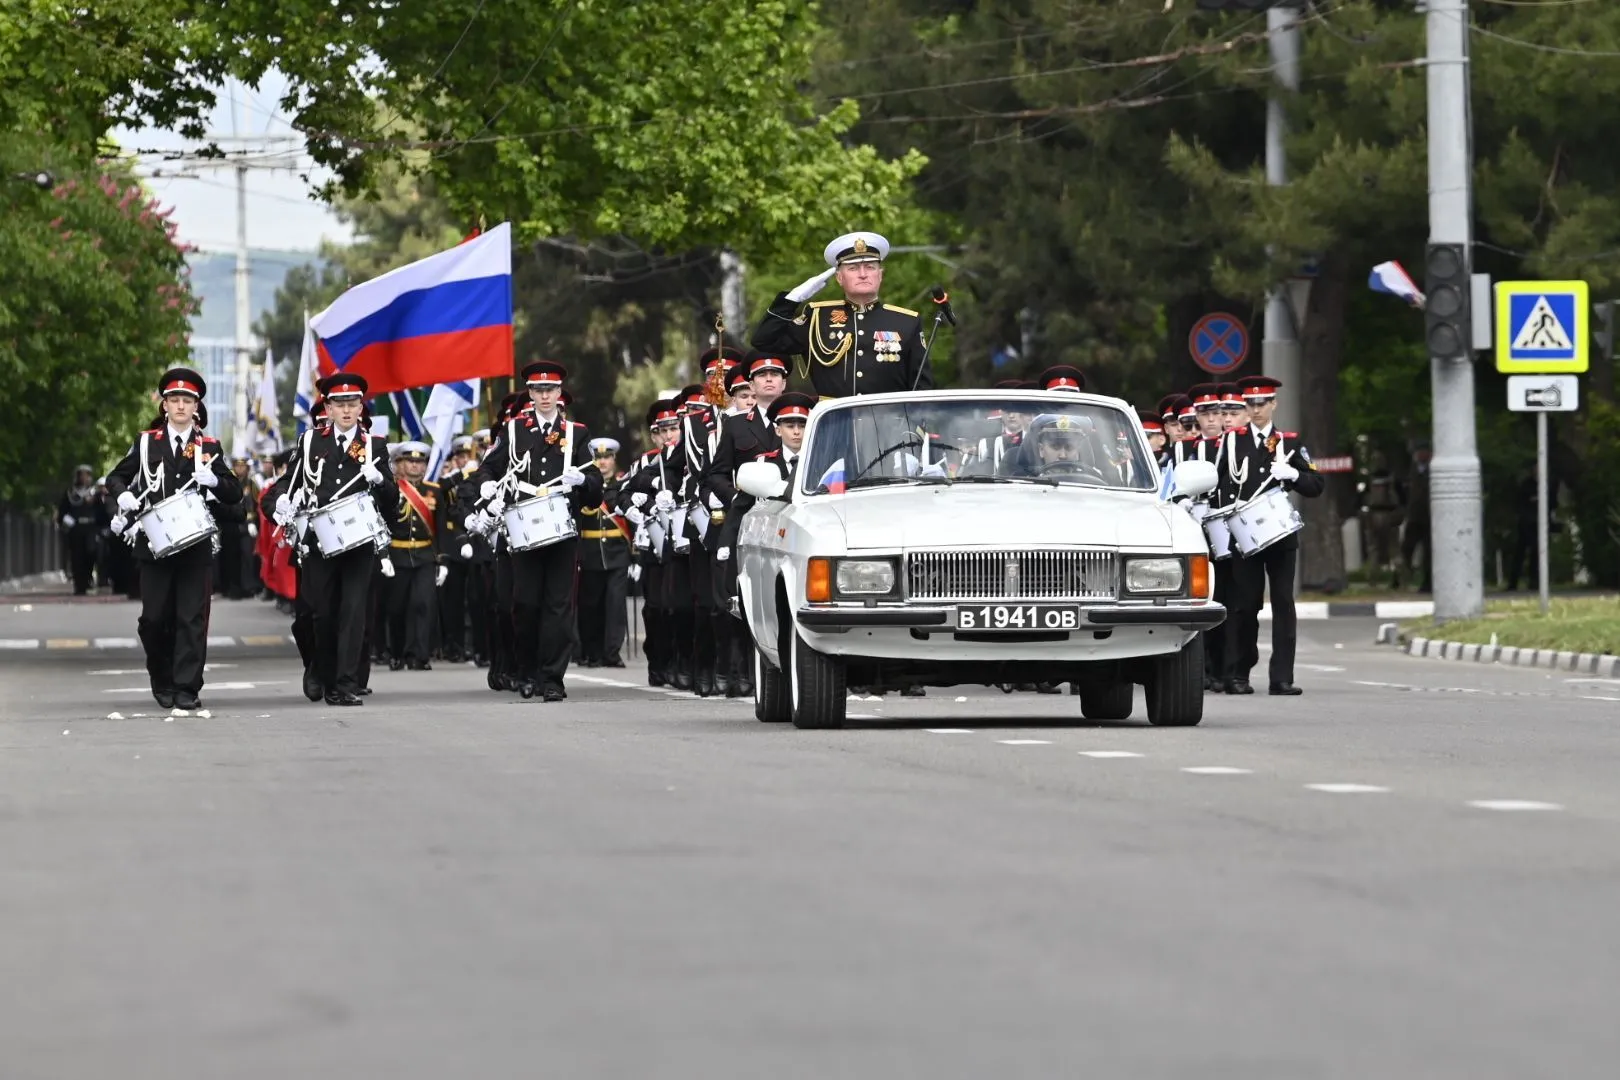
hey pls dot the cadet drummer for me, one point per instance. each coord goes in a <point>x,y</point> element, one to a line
<point>857,345</point>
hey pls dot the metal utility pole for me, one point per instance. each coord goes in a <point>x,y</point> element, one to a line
<point>244,314</point>
<point>733,298</point>
<point>1456,545</point>
<point>1279,349</point>
<point>1543,566</point>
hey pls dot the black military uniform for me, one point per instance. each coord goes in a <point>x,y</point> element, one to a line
<point>175,589</point>
<point>659,469</point>
<point>1250,457</point>
<point>604,567</point>
<point>329,464</point>
<point>848,349</point>
<point>538,452</point>
<point>496,573</point>
<point>459,554</point>
<point>79,513</point>
<point>416,536</point>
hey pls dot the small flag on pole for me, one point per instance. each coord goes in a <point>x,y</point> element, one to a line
<point>1392,278</point>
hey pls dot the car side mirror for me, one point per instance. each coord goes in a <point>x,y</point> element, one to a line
<point>1194,478</point>
<point>763,480</point>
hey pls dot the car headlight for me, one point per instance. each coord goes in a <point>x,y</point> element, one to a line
<point>1154,576</point>
<point>865,577</point>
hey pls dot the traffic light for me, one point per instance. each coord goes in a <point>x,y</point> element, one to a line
<point>1603,329</point>
<point>1447,285</point>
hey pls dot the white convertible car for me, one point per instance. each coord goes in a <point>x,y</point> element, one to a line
<point>917,545</point>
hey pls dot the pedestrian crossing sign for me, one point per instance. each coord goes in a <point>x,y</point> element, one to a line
<point>1542,327</point>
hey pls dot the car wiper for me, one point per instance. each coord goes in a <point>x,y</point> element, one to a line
<point>982,479</point>
<point>884,481</point>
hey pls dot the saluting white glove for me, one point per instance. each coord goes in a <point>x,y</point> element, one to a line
<point>1284,471</point>
<point>487,490</point>
<point>723,555</point>
<point>128,503</point>
<point>466,551</point>
<point>444,572</point>
<point>664,501</point>
<point>572,477</point>
<point>810,286</point>
<point>639,499</point>
<point>206,477</point>
<point>387,567</point>
<point>372,474</point>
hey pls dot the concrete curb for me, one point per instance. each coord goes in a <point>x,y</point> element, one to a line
<point>122,644</point>
<point>21,586</point>
<point>1347,609</point>
<point>1603,665</point>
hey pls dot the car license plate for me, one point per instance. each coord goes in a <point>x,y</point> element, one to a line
<point>1016,618</point>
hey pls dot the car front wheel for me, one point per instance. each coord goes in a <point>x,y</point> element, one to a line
<point>1175,687</point>
<point>819,695</point>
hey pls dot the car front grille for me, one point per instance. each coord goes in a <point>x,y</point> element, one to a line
<point>1012,575</point>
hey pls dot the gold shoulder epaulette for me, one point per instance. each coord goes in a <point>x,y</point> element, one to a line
<point>828,303</point>
<point>901,310</point>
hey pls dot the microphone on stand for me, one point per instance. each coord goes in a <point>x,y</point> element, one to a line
<point>942,301</point>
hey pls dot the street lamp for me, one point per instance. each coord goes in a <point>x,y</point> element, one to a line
<point>41,179</point>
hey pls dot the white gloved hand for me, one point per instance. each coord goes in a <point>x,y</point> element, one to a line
<point>372,474</point>
<point>572,477</point>
<point>206,477</point>
<point>715,503</point>
<point>635,571</point>
<point>444,572</point>
<point>466,551</point>
<point>935,471</point>
<point>253,530</point>
<point>635,516</point>
<point>480,522</point>
<point>68,520</point>
<point>487,490</point>
<point>118,524</point>
<point>284,513</point>
<point>665,501</point>
<point>723,555</point>
<point>128,503</point>
<point>1284,471</point>
<point>387,567</point>
<point>810,286</point>
<point>639,499</point>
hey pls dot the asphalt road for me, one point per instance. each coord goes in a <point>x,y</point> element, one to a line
<point>450,882</point>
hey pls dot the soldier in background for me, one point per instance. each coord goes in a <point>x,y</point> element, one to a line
<point>604,566</point>
<point>79,514</point>
<point>1416,533</point>
<point>1381,518</point>
<point>416,535</point>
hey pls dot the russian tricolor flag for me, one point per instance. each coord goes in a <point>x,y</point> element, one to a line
<point>833,478</point>
<point>443,319</point>
<point>1392,278</point>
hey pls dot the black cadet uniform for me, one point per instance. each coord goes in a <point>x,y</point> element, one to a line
<point>849,349</point>
<point>459,552</point>
<point>656,470</point>
<point>415,544</point>
<point>1248,455</point>
<point>604,577</point>
<point>176,589</point>
<point>328,465</point>
<point>543,577</point>
<point>79,513</point>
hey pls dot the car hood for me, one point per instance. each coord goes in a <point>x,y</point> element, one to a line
<point>1014,515</point>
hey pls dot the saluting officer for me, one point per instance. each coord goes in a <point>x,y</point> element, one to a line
<point>857,345</point>
<point>333,461</point>
<point>415,545</point>
<point>604,566</point>
<point>540,452</point>
<point>176,588</point>
<point>1256,457</point>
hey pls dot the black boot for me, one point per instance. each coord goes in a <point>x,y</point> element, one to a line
<point>703,681</point>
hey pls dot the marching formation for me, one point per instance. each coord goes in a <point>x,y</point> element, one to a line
<point>522,552</point>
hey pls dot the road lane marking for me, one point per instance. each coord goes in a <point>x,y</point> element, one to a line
<point>1349,789</point>
<point>207,687</point>
<point>19,643</point>
<point>1328,668</point>
<point>266,639</point>
<point>1215,770</point>
<point>1513,804</point>
<point>1598,697</point>
<point>949,731</point>
<point>117,643</point>
<point>1109,753</point>
<point>1025,742</point>
<point>67,643</point>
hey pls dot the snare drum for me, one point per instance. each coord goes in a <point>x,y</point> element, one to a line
<point>178,522</point>
<point>539,522</point>
<point>1264,520</point>
<point>347,524</point>
<point>1218,532</point>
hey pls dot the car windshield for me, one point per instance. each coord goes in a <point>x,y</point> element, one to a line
<point>990,439</point>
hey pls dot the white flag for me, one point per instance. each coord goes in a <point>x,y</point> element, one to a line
<point>308,373</point>
<point>444,408</point>
<point>265,436</point>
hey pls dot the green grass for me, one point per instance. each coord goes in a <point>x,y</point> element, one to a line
<point>1578,624</point>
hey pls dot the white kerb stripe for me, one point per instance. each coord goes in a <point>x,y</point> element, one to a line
<point>1109,753</point>
<point>1348,789</point>
<point>1215,770</point>
<point>487,256</point>
<point>1513,804</point>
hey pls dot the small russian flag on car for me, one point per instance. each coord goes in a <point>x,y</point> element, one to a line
<point>833,478</point>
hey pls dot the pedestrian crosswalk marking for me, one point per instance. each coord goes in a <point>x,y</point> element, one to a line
<point>1542,331</point>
